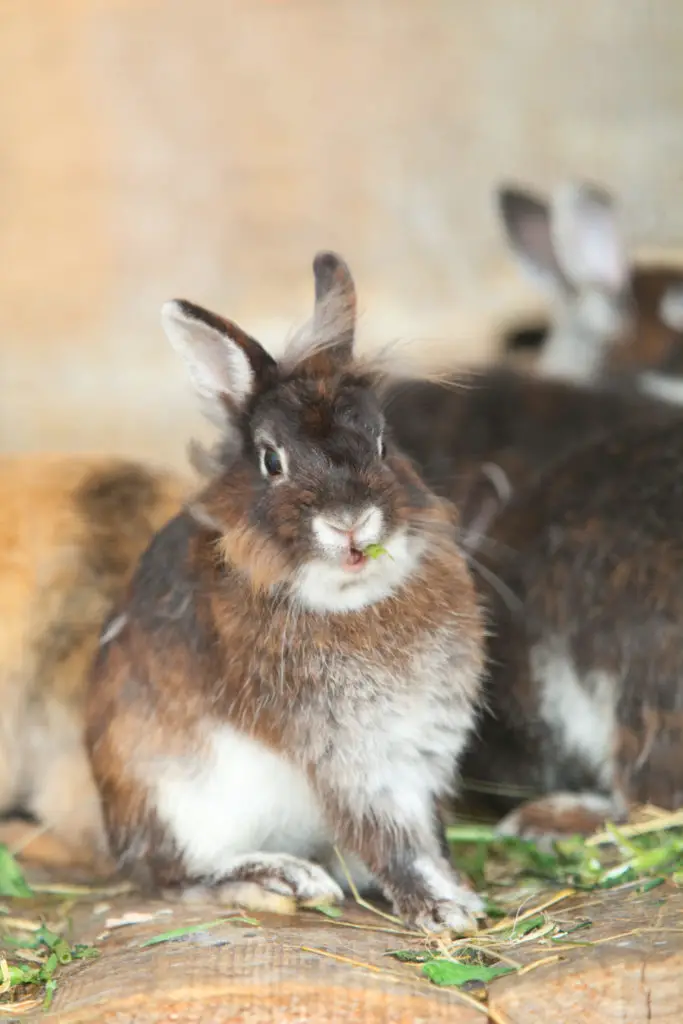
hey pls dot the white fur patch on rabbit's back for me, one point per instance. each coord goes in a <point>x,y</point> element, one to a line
<point>581,711</point>
<point>236,796</point>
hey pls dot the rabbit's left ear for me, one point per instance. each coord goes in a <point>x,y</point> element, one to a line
<point>525,217</point>
<point>226,366</point>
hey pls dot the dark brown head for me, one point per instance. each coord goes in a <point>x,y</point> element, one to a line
<point>311,492</point>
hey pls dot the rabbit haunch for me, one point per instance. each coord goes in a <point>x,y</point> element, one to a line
<point>274,691</point>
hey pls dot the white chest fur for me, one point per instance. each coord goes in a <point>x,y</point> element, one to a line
<point>394,740</point>
<point>237,797</point>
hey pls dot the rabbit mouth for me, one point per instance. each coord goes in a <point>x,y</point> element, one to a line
<point>354,560</point>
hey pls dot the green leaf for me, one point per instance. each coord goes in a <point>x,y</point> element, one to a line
<point>578,927</point>
<point>615,875</point>
<point>450,972</point>
<point>12,881</point>
<point>494,910</point>
<point>50,989</point>
<point>526,926</point>
<point>411,956</point>
<point>80,952</point>
<point>49,967</point>
<point>328,909</point>
<point>18,943</point>
<point>62,952</point>
<point>193,929</point>
<point>375,551</point>
<point>471,834</point>
<point>22,974</point>
<point>621,840</point>
<point>50,939</point>
<point>648,860</point>
<point>652,884</point>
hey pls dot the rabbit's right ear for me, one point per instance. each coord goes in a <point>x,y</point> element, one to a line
<point>226,366</point>
<point>671,306</point>
<point>334,313</point>
<point>587,236</point>
<point>526,220</point>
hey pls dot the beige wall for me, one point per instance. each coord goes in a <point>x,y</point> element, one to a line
<point>207,148</point>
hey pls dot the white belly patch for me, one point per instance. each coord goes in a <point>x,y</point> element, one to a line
<point>237,797</point>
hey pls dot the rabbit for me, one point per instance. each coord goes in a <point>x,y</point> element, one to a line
<point>610,319</point>
<point>270,689</point>
<point>72,528</point>
<point>584,703</point>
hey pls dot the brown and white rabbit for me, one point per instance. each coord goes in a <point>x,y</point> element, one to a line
<point>609,318</point>
<point>271,690</point>
<point>72,528</point>
<point>585,689</point>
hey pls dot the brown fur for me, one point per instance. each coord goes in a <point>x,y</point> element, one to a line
<point>72,528</point>
<point>652,345</point>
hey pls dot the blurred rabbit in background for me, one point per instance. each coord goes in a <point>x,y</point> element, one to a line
<point>72,530</point>
<point>609,319</point>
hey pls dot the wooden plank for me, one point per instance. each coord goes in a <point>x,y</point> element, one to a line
<point>307,968</point>
<point>241,974</point>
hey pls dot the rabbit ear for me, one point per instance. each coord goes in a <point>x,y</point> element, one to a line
<point>587,238</point>
<point>671,306</point>
<point>225,365</point>
<point>526,220</point>
<point>334,315</point>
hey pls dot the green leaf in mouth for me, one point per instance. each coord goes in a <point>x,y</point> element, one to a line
<point>375,550</point>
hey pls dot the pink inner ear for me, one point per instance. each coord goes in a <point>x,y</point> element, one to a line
<point>534,241</point>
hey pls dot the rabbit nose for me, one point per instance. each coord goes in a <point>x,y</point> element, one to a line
<point>350,526</point>
<point>345,533</point>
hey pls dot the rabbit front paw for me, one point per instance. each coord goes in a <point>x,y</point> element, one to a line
<point>273,882</point>
<point>436,901</point>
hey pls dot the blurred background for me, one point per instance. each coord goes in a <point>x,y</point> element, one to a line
<point>206,149</point>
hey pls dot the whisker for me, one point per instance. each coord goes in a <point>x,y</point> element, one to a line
<point>512,602</point>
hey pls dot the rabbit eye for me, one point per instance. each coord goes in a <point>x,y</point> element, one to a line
<point>382,449</point>
<point>271,462</point>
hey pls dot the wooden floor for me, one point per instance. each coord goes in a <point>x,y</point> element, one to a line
<point>306,968</point>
